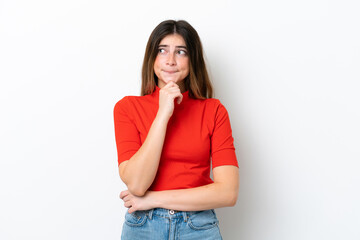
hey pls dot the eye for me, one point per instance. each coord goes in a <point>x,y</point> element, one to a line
<point>182,52</point>
<point>161,50</point>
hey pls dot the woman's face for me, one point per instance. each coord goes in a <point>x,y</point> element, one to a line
<point>172,61</point>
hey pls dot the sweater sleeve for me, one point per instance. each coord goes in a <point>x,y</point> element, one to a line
<point>222,142</point>
<point>126,134</point>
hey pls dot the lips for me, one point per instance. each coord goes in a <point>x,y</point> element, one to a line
<point>170,72</point>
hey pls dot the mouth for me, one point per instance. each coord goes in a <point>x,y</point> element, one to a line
<point>170,72</point>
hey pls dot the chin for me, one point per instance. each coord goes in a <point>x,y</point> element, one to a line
<point>171,79</point>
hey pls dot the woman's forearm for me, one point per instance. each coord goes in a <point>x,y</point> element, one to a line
<point>214,195</point>
<point>139,171</point>
<point>222,193</point>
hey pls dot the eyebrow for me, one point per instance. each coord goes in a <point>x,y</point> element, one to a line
<point>175,46</point>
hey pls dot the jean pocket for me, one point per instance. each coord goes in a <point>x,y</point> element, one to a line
<point>135,219</point>
<point>202,220</point>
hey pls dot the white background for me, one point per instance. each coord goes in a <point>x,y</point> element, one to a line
<point>287,71</point>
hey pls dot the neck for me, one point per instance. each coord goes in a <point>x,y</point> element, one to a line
<point>181,86</point>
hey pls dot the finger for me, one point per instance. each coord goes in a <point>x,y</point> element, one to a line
<point>175,93</point>
<point>172,93</point>
<point>127,198</point>
<point>131,210</point>
<point>121,194</point>
<point>179,98</point>
<point>174,89</point>
<point>169,84</point>
<point>170,88</point>
<point>124,194</point>
<point>127,204</point>
<point>174,85</point>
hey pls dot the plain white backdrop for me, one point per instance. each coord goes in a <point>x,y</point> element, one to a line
<point>287,71</point>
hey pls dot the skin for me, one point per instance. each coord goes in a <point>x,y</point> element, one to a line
<point>171,66</point>
<point>172,61</point>
<point>222,193</point>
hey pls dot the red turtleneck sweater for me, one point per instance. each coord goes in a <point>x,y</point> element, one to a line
<point>198,133</point>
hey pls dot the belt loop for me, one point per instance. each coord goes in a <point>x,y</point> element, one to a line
<point>151,213</point>
<point>185,216</point>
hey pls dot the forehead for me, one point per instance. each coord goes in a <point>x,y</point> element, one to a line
<point>173,39</point>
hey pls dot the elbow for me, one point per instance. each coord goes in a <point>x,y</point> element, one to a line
<point>137,191</point>
<point>133,186</point>
<point>232,199</point>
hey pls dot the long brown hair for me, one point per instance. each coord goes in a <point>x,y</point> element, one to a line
<point>197,82</point>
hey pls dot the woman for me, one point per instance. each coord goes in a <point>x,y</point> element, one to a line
<point>168,137</point>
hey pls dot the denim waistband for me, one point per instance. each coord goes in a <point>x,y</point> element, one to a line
<point>167,213</point>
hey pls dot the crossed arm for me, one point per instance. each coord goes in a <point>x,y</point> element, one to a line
<point>222,193</point>
<point>138,173</point>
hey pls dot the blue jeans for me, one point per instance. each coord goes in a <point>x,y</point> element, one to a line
<point>160,223</point>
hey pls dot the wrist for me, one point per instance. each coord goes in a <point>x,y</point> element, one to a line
<point>154,199</point>
<point>162,117</point>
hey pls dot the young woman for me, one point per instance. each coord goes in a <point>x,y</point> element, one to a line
<point>167,140</point>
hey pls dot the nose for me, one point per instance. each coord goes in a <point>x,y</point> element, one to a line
<point>171,60</point>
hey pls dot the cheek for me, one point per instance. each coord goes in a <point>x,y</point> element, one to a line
<point>186,65</point>
<point>156,65</point>
<point>158,62</point>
